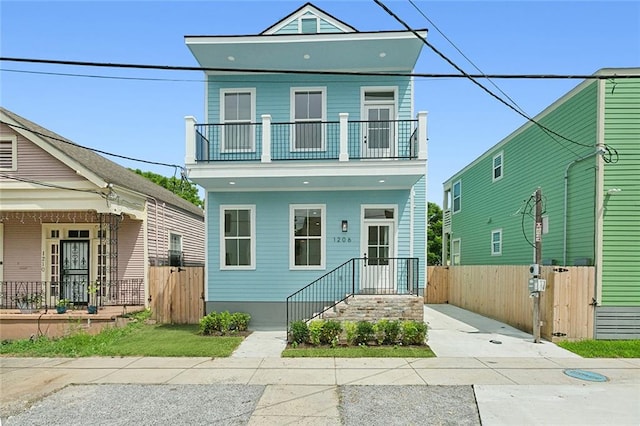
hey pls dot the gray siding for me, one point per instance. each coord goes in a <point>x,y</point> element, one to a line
<point>617,322</point>
<point>169,219</point>
<point>131,261</point>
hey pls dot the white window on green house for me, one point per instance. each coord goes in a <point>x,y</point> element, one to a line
<point>307,236</point>
<point>457,196</point>
<point>455,251</point>
<point>237,237</point>
<point>8,153</point>
<point>497,167</point>
<point>496,242</point>
<point>308,115</point>
<point>237,112</point>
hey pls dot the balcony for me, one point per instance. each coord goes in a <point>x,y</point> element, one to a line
<point>256,154</point>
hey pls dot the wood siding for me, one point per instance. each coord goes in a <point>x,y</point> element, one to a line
<point>273,280</point>
<point>37,164</point>
<point>22,257</point>
<point>621,227</point>
<point>501,292</point>
<point>131,260</point>
<point>168,219</point>
<point>531,159</point>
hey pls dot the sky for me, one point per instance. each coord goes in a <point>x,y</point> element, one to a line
<point>144,119</point>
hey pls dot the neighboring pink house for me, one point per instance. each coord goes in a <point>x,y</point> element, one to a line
<point>70,218</point>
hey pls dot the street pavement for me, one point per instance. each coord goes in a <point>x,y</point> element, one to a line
<point>474,382</point>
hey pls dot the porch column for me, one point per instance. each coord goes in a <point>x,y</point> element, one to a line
<point>344,137</point>
<point>266,138</point>
<point>422,135</point>
<point>190,138</point>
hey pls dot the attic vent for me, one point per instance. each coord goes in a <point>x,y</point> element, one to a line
<point>309,25</point>
<point>8,154</point>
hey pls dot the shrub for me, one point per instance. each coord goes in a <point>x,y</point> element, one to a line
<point>315,332</point>
<point>364,333</point>
<point>240,321</point>
<point>387,332</point>
<point>224,322</point>
<point>349,328</point>
<point>331,329</point>
<point>299,332</point>
<point>413,332</point>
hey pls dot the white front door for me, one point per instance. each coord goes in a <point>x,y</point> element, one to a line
<point>379,130</point>
<point>378,270</point>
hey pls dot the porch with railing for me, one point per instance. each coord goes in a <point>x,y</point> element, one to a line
<point>342,140</point>
<point>34,295</point>
<point>358,276</point>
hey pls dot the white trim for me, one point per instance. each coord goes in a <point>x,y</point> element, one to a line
<point>252,236</point>
<point>600,193</point>
<point>225,91</point>
<point>493,167</point>
<point>288,38</point>
<point>292,114</point>
<point>499,252</point>
<point>453,203</point>
<point>304,11</point>
<point>453,253</point>
<point>13,140</point>
<point>412,207</point>
<point>323,236</point>
<point>363,103</point>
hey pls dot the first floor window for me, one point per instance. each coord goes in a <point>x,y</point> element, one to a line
<point>238,236</point>
<point>175,250</point>
<point>455,251</point>
<point>496,242</point>
<point>307,236</point>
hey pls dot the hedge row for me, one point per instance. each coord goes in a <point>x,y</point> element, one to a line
<point>334,333</point>
<point>224,323</point>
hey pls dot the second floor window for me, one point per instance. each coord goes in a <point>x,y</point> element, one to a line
<point>308,114</point>
<point>457,188</point>
<point>237,115</point>
<point>497,167</point>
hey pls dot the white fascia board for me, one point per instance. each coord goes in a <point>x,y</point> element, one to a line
<point>303,38</point>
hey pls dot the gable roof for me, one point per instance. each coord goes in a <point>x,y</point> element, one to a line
<point>102,167</point>
<point>301,11</point>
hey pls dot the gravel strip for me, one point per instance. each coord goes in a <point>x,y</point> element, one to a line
<point>408,405</point>
<point>144,405</point>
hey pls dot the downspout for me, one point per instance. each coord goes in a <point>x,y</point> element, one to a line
<point>599,151</point>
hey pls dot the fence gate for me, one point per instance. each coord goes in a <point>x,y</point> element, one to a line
<point>177,294</point>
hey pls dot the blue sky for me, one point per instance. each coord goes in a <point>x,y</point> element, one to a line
<point>145,119</point>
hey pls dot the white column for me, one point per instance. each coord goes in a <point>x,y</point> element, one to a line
<point>344,136</point>
<point>190,139</point>
<point>266,138</point>
<point>422,135</point>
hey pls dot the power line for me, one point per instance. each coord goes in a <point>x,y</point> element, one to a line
<point>513,102</point>
<point>35,132</point>
<point>472,78</point>
<point>50,185</point>
<point>319,72</point>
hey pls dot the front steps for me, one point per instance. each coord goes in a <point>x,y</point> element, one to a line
<point>376,307</point>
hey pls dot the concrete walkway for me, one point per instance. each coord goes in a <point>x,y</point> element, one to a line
<point>515,382</point>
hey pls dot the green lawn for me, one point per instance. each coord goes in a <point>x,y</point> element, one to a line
<point>604,348</point>
<point>360,352</point>
<point>136,339</point>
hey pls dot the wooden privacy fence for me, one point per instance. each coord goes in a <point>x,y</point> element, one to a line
<point>502,293</point>
<point>177,294</point>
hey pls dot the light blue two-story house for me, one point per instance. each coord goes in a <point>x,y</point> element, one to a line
<point>315,179</point>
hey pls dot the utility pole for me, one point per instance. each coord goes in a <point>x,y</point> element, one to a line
<point>537,261</point>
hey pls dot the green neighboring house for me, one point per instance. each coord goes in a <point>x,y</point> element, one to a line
<point>591,196</point>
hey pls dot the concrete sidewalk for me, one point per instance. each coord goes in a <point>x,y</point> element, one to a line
<point>507,390</point>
